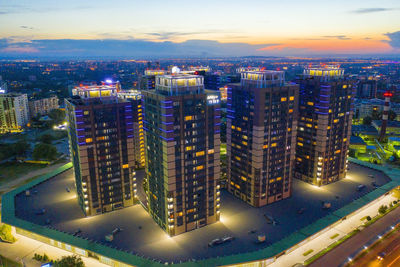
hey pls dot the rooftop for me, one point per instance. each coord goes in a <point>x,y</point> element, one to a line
<point>142,236</point>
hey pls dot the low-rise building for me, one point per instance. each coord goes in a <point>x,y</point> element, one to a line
<point>42,106</point>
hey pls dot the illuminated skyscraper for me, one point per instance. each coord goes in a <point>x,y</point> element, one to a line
<point>102,140</point>
<point>148,80</point>
<point>261,132</point>
<point>324,128</point>
<point>182,139</point>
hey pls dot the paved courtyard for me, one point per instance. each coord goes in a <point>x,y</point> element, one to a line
<point>142,236</point>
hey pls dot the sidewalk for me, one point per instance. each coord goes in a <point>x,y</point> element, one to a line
<point>23,250</point>
<point>331,235</point>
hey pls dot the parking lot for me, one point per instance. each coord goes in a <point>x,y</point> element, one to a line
<point>141,235</point>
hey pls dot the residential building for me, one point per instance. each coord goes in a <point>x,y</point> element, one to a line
<point>42,106</point>
<point>182,140</point>
<point>148,80</point>
<point>14,112</point>
<point>135,98</point>
<point>324,126</point>
<point>261,136</point>
<point>101,141</point>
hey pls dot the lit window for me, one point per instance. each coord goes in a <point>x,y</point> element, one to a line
<point>291,98</point>
<point>310,103</point>
<point>89,140</point>
<point>188,118</point>
<point>125,166</point>
<point>283,99</point>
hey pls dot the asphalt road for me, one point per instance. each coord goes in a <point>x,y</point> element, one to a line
<point>391,246</point>
<point>342,252</point>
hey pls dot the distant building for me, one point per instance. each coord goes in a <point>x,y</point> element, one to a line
<point>367,132</point>
<point>135,98</point>
<point>365,107</point>
<point>101,141</point>
<point>3,87</point>
<point>14,112</point>
<point>182,133</point>
<point>393,127</point>
<point>367,87</point>
<point>324,127</point>
<point>42,106</point>
<point>261,137</point>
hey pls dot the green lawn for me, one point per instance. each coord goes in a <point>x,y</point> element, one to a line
<point>10,171</point>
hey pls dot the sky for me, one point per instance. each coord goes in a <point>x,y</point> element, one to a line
<point>131,28</point>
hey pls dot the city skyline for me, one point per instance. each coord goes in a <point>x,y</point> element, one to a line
<point>225,28</point>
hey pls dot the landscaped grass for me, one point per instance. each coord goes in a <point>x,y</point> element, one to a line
<point>308,252</point>
<point>334,236</point>
<point>10,171</point>
<point>330,247</point>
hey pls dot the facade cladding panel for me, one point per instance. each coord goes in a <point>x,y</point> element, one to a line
<point>261,132</point>
<point>182,139</point>
<point>102,150</point>
<point>324,127</point>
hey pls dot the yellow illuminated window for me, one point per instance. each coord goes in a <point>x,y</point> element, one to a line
<point>237,186</point>
<point>188,118</point>
<point>233,126</point>
<point>200,153</point>
<point>237,158</point>
<point>244,137</point>
<point>336,120</point>
<point>273,145</point>
<point>272,180</point>
<point>199,167</point>
<point>243,178</point>
<point>244,143</point>
<point>299,159</point>
<point>86,112</point>
<point>265,146</point>
<point>345,86</point>
<point>289,129</point>
<point>88,140</point>
<point>125,166</point>
<point>290,110</point>
<point>188,148</point>
<point>291,98</point>
<point>309,125</point>
<point>337,151</point>
<point>279,178</point>
<point>330,111</point>
<point>239,129</point>
<point>283,99</point>
<point>210,151</point>
<point>307,156</point>
<point>345,139</point>
<point>299,144</point>
<point>310,103</point>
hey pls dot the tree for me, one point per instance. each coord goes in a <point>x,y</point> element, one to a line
<point>382,209</point>
<point>57,115</point>
<point>376,115</point>
<point>392,115</point>
<point>367,120</point>
<point>46,138</point>
<point>44,151</point>
<point>20,148</point>
<point>70,261</point>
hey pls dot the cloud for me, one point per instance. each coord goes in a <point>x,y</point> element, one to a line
<point>340,37</point>
<point>26,27</point>
<point>126,48</point>
<point>372,10</point>
<point>394,39</point>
